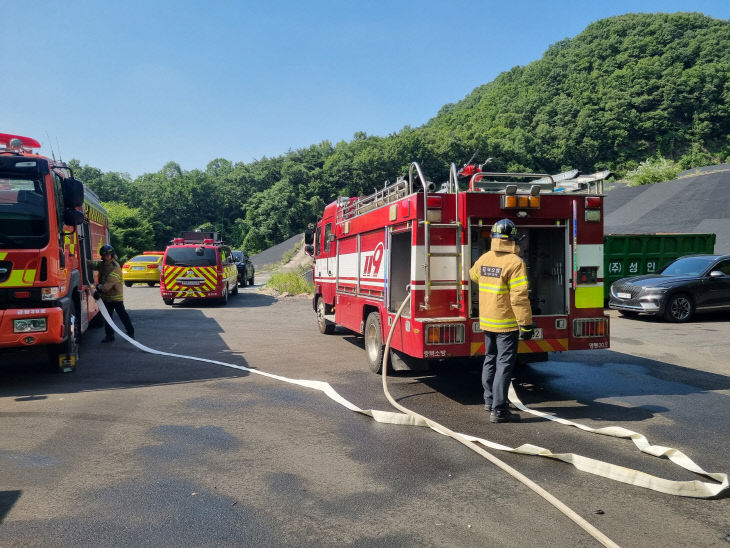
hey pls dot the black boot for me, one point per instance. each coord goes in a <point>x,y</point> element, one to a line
<point>503,415</point>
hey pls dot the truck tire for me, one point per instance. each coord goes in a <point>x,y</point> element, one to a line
<point>250,280</point>
<point>69,347</point>
<point>374,342</point>
<point>224,298</point>
<point>168,302</point>
<point>151,284</point>
<point>234,291</point>
<point>325,326</point>
<point>128,284</point>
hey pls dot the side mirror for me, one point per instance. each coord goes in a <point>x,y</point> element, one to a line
<point>717,274</point>
<point>72,217</point>
<point>309,249</point>
<point>309,235</point>
<point>331,238</point>
<point>73,192</point>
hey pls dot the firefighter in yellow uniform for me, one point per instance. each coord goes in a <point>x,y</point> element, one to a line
<point>111,290</point>
<point>504,315</point>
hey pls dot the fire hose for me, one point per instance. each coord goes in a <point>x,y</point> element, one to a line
<point>694,488</point>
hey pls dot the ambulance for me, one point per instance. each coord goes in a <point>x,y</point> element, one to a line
<point>198,266</point>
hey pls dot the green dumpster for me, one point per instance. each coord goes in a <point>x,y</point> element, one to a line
<point>634,254</point>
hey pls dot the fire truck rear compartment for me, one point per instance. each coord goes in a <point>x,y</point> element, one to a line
<point>400,270</point>
<point>543,249</point>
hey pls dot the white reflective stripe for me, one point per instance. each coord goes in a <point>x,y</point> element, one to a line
<point>696,489</point>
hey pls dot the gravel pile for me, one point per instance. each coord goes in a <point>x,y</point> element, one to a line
<point>273,255</point>
<point>698,201</point>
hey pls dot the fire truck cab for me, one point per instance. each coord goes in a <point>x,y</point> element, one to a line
<point>49,227</point>
<point>371,252</point>
<point>198,266</point>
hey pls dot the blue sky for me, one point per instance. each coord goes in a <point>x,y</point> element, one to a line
<point>129,86</point>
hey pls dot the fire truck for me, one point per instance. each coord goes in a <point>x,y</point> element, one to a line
<point>50,225</point>
<point>408,238</point>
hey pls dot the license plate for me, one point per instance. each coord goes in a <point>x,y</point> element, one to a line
<point>623,295</point>
<point>138,268</point>
<point>537,333</point>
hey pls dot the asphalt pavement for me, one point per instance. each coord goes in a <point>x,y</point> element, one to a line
<point>144,450</point>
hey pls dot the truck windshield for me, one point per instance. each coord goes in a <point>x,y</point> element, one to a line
<point>23,217</point>
<point>190,256</point>
<point>688,266</point>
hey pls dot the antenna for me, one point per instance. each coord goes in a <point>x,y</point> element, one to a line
<point>60,159</point>
<point>51,145</point>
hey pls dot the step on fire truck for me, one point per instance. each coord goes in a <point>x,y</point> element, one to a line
<point>370,252</point>
<point>49,227</point>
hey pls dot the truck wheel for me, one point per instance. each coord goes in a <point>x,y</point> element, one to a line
<point>168,301</point>
<point>679,308</point>
<point>234,291</point>
<point>374,342</point>
<point>151,284</point>
<point>250,280</point>
<point>69,348</point>
<point>128,284</point>
<point>224,298</point>
<point>325,326</point>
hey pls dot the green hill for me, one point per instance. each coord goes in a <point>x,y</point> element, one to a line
<point>625,89</point>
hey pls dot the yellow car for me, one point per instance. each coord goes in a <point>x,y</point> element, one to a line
<point>143,268</point>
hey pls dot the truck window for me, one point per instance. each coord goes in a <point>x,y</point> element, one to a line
<point>23,216</point>
<point>317,239</point>
<point>327,232</point>
<point>188,256</point>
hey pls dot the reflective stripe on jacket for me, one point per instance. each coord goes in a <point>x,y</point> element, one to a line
<point>110,279</point>
<point>504,302</point>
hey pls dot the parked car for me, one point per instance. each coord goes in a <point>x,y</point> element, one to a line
<point>245,268</point>
<point>143,268</point>
<point>690,284</point>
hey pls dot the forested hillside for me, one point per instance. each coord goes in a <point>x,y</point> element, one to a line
<point>626,89</point>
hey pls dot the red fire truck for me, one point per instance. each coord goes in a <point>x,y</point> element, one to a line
<point>49,226</point>
<point>371,252</point>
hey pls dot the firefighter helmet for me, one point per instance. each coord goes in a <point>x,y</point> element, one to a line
<point>106,249</point>
<point>504,229</point>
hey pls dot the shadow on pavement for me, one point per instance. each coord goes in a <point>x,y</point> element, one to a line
<point>27,376</point>
<point>7,501</point>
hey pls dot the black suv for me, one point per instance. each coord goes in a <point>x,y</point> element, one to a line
<point>245,268</point>
<point>694,283</point>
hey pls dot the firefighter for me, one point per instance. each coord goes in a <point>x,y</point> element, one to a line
<point>111,290</point>
<point>504,315</point>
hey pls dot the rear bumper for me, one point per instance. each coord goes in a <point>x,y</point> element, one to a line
<point>190,294</point>
<point>52,335</point>
<point>141,276</point>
